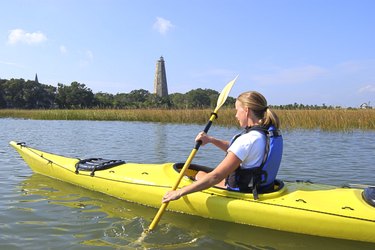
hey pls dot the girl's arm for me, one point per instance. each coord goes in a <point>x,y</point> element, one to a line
<point>222,144</point>
<point>227,166</point>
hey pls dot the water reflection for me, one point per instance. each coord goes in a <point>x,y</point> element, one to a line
<point>160,135</point>
<point>99,220</point>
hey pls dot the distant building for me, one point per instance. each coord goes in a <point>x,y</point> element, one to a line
<point>160,80</point>
<point>36,78</point>
<point>365,106</point>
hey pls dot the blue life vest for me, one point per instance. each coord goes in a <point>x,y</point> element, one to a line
<point>260,178</point>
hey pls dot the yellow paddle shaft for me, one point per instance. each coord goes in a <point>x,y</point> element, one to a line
<point>163,207</point>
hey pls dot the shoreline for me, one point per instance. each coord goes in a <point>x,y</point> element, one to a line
<point>326,120</point>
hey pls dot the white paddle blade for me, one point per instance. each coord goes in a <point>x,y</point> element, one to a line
<point>224,94</point>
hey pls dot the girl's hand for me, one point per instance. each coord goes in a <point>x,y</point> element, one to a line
<point>171,196</point>
<point>203,137</point>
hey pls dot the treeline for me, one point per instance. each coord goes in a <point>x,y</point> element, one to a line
<point>296,106</point>
<point>21,94</point>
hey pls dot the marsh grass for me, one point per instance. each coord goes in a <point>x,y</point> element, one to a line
<point>327,119</point>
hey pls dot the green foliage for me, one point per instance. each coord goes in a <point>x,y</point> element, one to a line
<point>21,94</point>
<point>104,100</point>
<point>179,100</point>
<point>3,103</point>
<point>18,93</point>
<point>296,106</point>
<point>199,98</point>
<point>74,96</point>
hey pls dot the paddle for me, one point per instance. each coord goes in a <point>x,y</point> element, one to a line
<point>220,101</point>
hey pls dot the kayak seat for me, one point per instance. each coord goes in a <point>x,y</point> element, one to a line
<point>368,195</point>
<point>96,164</point>
<point>277,185</point>
<point>273,187</point>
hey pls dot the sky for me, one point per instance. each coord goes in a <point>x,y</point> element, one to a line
<point>309,52</point>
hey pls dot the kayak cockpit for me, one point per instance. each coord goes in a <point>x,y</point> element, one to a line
<point>195,168</point>
<point>368,195</point>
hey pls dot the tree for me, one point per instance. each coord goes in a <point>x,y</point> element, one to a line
<point>178,100</point>
<point>104,100</point>
<point>37,95</point>
<point>13,90</point>
<point>139,96</point>
<point>47,96</point>
<point>3,103</point>
<point>76,95</point>
<point>121,100</point>
<point>18,93</point>
<point>198,98</point>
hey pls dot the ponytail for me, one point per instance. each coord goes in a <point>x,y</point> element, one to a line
<point>270,118</point>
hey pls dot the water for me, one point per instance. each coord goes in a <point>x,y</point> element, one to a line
<point>39,212</point>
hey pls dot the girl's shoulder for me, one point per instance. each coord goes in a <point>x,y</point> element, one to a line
<point>252,136</point>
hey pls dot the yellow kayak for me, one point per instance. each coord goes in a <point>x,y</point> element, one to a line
<point>300,207</point>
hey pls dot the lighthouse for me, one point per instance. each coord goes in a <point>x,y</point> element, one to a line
<point>160,80</point>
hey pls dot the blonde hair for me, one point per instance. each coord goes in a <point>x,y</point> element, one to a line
<point>258,104</point>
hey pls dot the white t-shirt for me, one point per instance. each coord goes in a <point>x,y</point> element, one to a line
<point>249,148</point>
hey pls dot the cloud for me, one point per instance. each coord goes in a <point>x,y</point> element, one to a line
<point>20,36</point>
<point>162,25</point>
<point>89,55</point>
<point>367,89</point>
<point>63,49</point>
<point>12,64</point>
<point>8,63</point>
<point>88,58</point>
<point>291,75</point>
<point>356,66</point>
